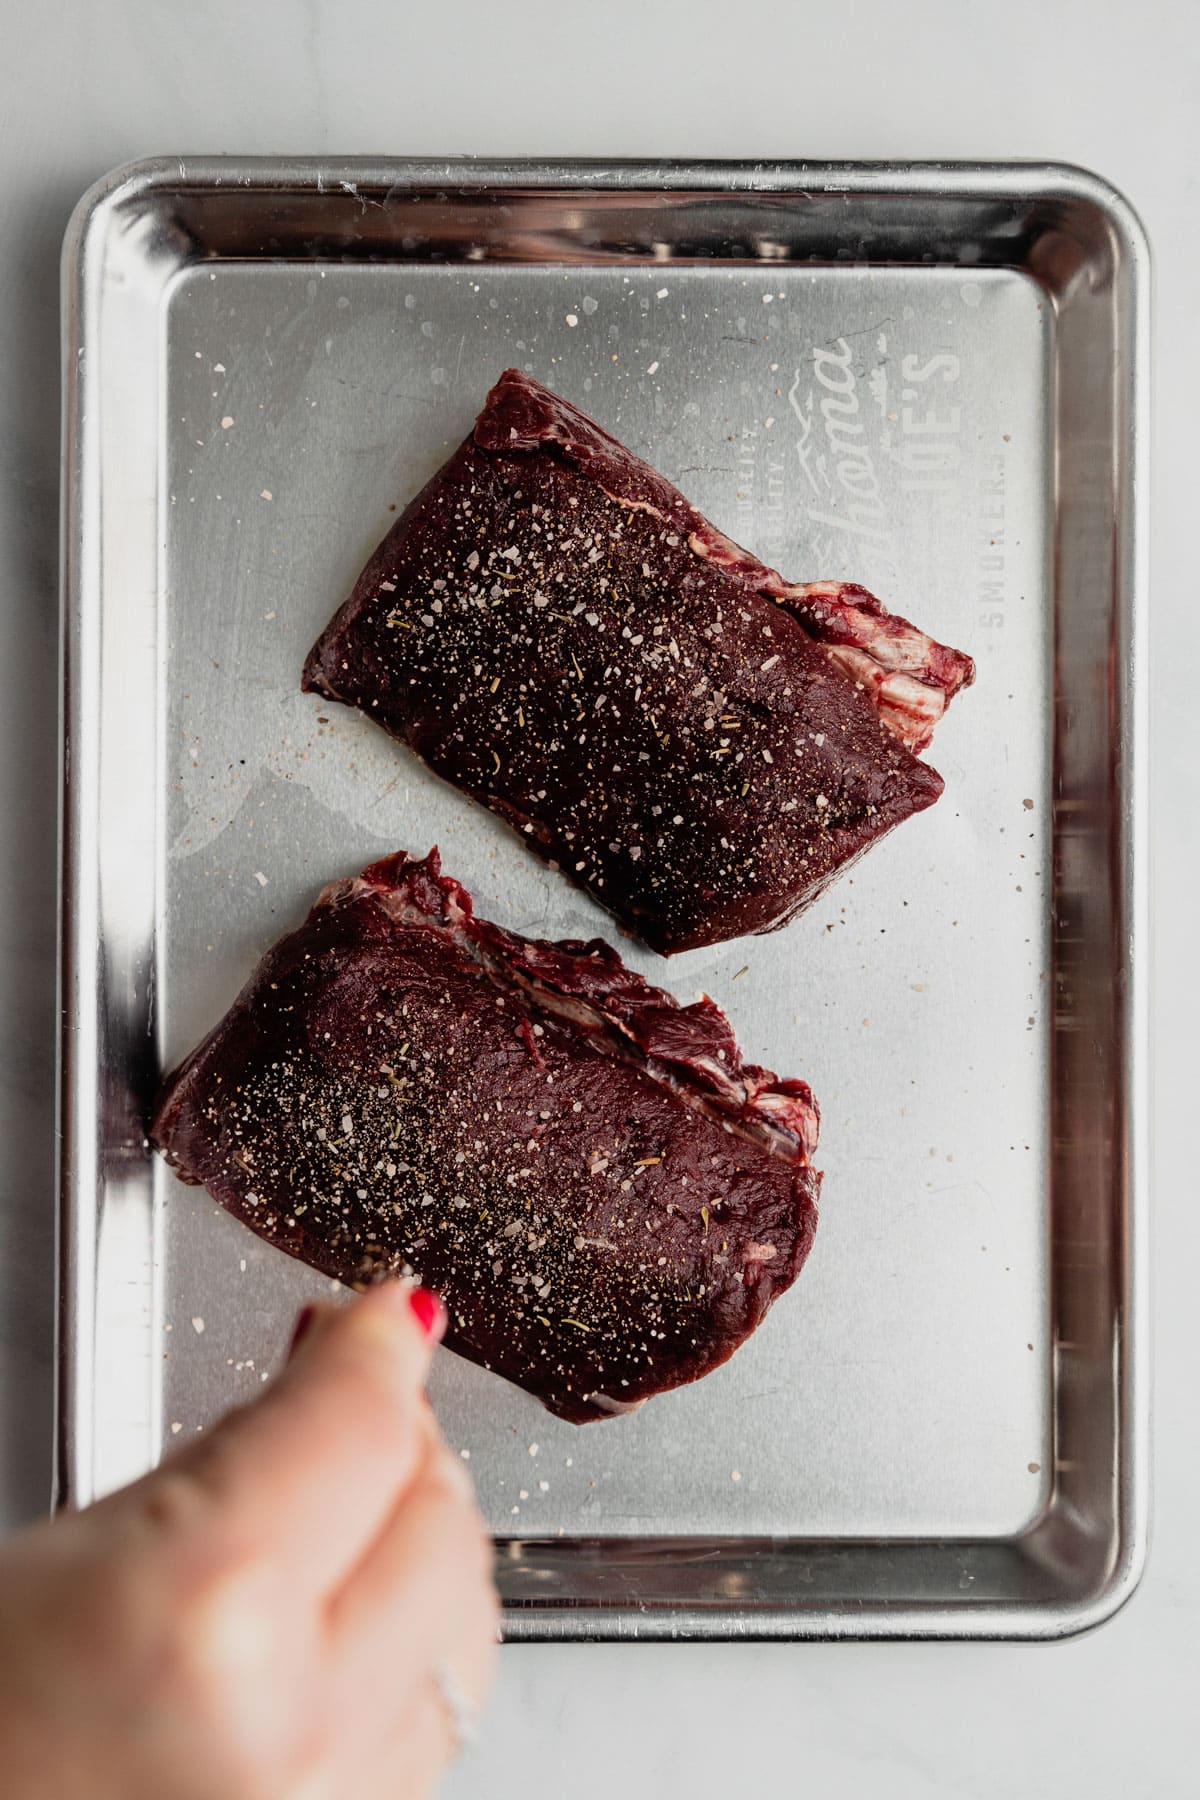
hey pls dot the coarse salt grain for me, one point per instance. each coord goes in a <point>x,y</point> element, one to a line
<point>260,878</point>
<point>197,1325</point>
<point>572,319</point>
<point>226,422</point>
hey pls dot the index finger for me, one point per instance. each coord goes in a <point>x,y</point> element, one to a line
<point>315,1467</point>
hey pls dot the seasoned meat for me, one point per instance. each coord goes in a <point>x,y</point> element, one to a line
<point>605,1196</point>
<point>698,743</point>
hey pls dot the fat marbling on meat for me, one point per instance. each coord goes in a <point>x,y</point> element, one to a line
<point>697,742</point>
<point>604,1194</point>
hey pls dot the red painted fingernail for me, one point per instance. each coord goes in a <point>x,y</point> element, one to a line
<point>301,1329</point>
<point>428,1311</point>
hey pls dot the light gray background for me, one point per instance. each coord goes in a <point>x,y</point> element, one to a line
<point>1117,87</point>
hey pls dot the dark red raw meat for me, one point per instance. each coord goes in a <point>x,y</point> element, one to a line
<point>605,1196</point>
<point>698,743</point>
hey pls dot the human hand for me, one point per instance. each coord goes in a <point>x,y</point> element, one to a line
<point>287,1609</point>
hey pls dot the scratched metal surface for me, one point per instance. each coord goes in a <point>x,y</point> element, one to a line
<point>890,424</point>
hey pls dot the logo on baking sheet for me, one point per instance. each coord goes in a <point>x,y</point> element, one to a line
<point>849,461</point>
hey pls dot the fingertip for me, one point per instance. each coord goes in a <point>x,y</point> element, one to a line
<point>378,1347</point>
<point>407,1299</point>
<point>429,1312</point>
<point>382,1334</point>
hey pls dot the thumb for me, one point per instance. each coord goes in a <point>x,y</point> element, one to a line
<point>316,1466</point>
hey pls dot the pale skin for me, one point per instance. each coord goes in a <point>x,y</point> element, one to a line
<point>264,1616</point>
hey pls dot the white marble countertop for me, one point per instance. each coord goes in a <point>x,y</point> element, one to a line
<point>1104,83</point>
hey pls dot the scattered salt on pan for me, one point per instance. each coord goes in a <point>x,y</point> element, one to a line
<point>735,1475</point>
<point>533,1449</point>
<point>543,1487</point>
<point>653,369</point>
<point>466,1455</point>
<point>572,319</point>
<point>197,1325</point>
<point>661,294</point>
<point>176,1426</point>
<point>266,494</point>
<point>260,878</point>
<point>226,422</point>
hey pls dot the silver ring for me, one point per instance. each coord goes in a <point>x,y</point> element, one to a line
<point>457,1707</point>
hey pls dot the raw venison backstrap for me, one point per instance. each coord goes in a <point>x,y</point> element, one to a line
<point>698,743</point>
<point>605,1196</point>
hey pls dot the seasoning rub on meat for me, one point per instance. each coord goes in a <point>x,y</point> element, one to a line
<point>699,743</point>
<point>606,1197</point>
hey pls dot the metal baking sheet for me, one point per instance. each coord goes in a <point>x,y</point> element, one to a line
<point>928,379</point>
